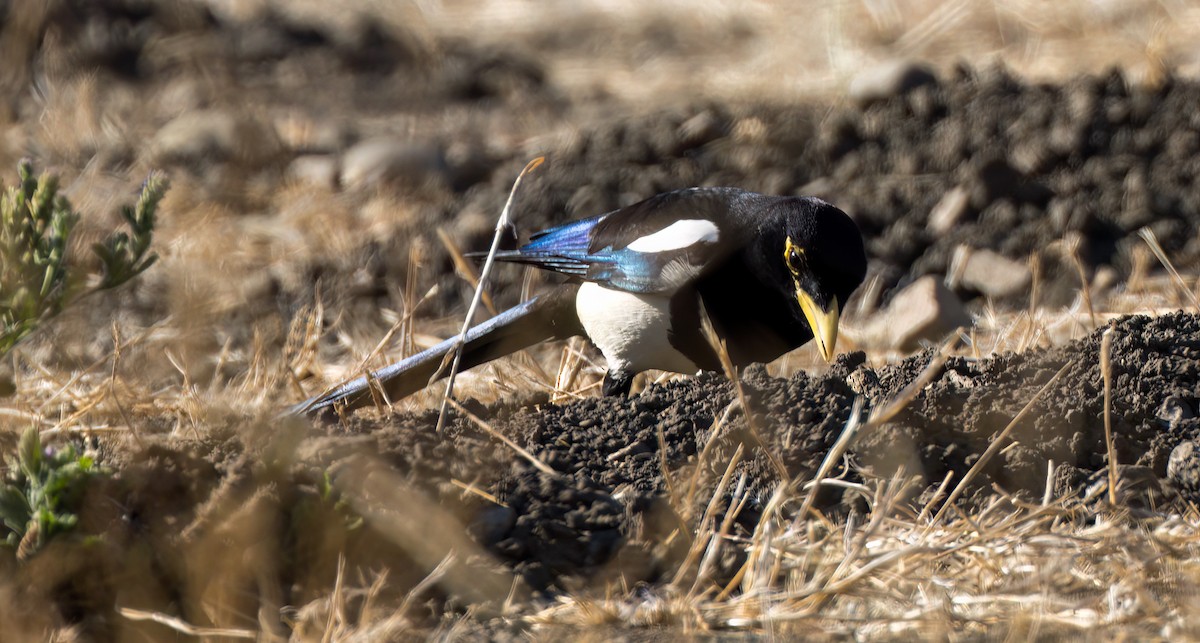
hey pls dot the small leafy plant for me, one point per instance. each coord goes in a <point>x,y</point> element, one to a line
<point>40,493</point>
<point>36,280</point>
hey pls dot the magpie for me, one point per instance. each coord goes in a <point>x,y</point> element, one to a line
<point>771,273</point>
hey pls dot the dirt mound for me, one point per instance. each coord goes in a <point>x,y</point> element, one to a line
<point>626,470</point>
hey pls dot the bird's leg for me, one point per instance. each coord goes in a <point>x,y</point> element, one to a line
<point>617,383</point>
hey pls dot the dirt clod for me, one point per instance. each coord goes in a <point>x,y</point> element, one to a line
<point>924,311</point>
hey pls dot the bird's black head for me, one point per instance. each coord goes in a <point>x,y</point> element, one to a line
<point>814,253</point>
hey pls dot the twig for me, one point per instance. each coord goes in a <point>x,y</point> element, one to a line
<point>881,415</point>
<point>464,267</point>
<point>337,601</point>
<point>1147,235</point>
<point>183,627</point>
<point>714,504</point>
<point>538,464</point>
<point>718,345</point>
<point>1072,247</point>
<point>1106,373</point>
<point>483,277</point>
<point>835,454</point>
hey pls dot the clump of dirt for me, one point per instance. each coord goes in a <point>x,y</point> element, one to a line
<point>620,463</point>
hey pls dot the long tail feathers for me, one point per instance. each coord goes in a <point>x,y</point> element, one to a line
<point>549,316</point>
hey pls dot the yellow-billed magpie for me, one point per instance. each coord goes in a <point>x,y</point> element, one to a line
<point>772,273</point>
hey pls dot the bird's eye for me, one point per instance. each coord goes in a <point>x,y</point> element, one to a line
<point>795,259</point>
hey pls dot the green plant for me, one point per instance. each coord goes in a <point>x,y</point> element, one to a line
<point>35,224</point>
<point>35,229</point>
<point>125,256</point>
<point>40,492</point>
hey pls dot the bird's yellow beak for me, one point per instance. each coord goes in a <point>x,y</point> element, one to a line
<point>824,323</point>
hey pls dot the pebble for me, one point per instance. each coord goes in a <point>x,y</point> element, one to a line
<point>987,272</point>
<point>316,169</point>
<point>949,209</point>
<point>386,160</point>
<point>889,78</point>
<point>1183,469</point>
<point>206,136</point>
<point>925,310</point>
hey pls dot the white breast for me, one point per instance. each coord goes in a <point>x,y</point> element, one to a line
<point>630,329</point>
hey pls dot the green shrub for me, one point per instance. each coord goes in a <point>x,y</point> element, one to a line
<point>40,493</point>
<point>35,228</point>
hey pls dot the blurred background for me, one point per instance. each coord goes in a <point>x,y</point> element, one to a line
<point>315,146</point>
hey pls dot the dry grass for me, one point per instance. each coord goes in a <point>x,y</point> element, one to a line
<point>1055,570</point>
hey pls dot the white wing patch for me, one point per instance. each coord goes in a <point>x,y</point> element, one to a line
<point>677,236</point>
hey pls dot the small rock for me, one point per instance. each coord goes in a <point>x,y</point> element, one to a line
<point>948,211</point>
<point>1183,470</point>
<point>316,169</point>
<point>493,524</point>
<point>924,310</point>
<point>1104,279</point>
<point>987,272</point>
<point>698,130</point>
<point>863,381</point>
<point>890,78</point>
<point>385,160</point>
<point>305,135</point>
<point>1174,409</point>
<point>210,136</point>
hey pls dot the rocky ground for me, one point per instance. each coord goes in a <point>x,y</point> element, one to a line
<point>313,163</point>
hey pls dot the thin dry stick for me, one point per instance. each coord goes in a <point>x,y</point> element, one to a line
<point>112,386</point>
<point>888,411</point>
<point>1106,373</point>
<point>483,277</point>
<point>410,288</point>
<point>702,458</point>
<point>1147,235</point>
<point>470,488</point>
<point>429,581</point>
<point>182,627</point>
<point>672,493</point>
<point>464,267</point>
<point>835,454</point>
<point>714,504</point>
<point>1072,247</point>
<point>941,491</point>
<point>337,602</point>
<point>995,446</point>
<point>569,367</point>
<point>1035,282</point>
<point>538,464</point>
<point>1048,494</point>
<point>718,345</point>
<point>387,337</point>
<point>739,498</point>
